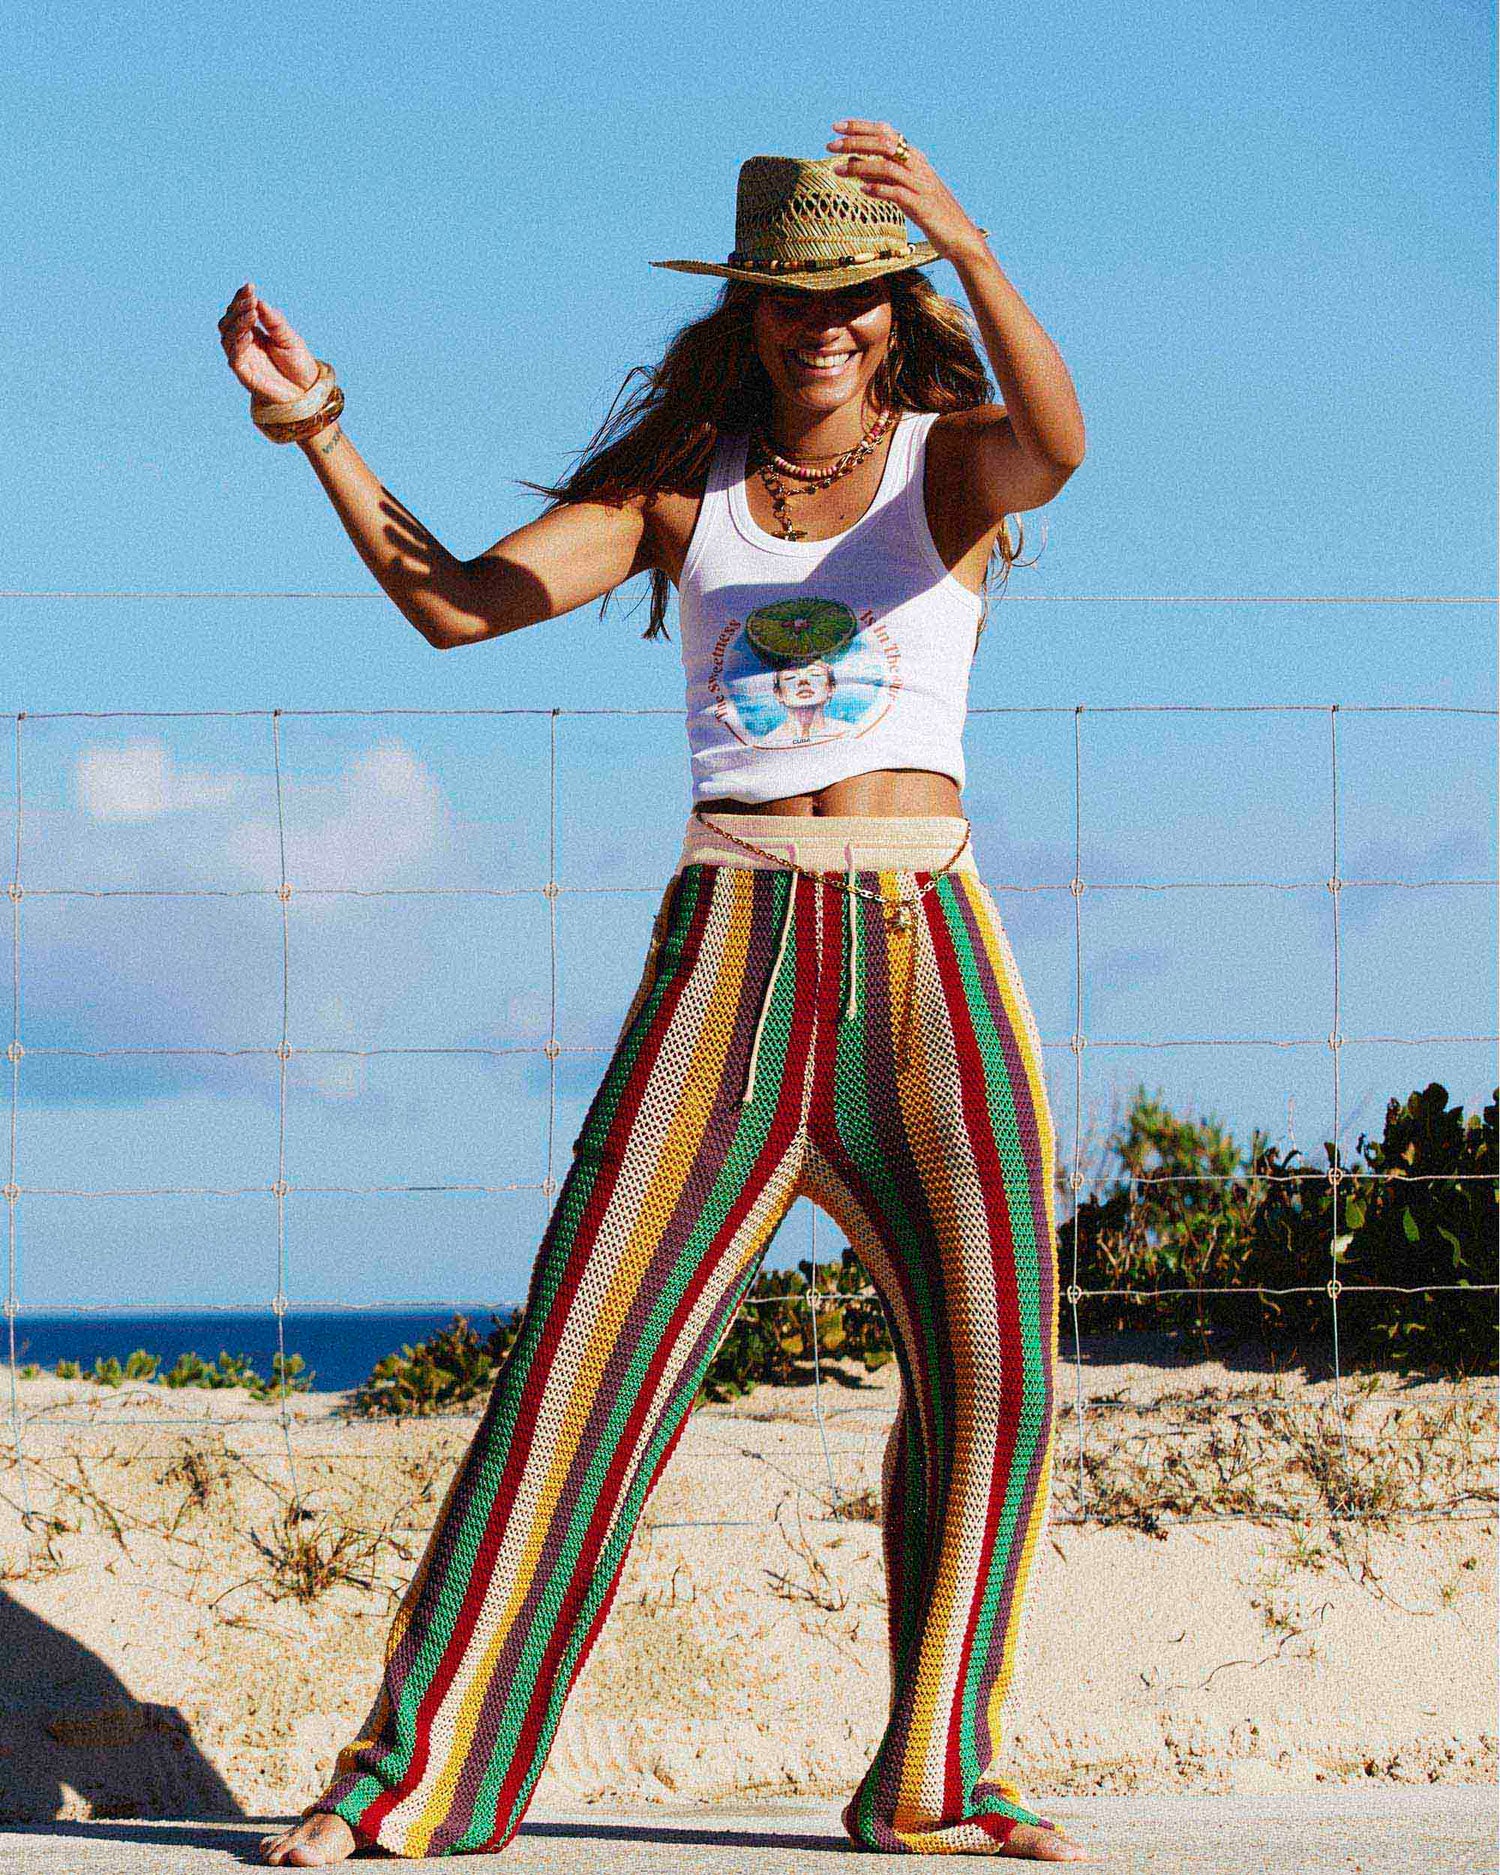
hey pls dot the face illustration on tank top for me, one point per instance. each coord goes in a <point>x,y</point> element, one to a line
<point>802,671</point>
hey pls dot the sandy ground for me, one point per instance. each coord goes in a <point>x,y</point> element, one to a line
<point>175,1643</point>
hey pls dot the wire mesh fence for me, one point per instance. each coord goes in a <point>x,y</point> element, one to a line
<point>1341,1179</point>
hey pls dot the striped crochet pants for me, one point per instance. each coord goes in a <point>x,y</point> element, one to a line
<point>785,1039</point>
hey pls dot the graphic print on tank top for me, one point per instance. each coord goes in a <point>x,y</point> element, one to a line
<point>803,671</point>
<point>807,662</point>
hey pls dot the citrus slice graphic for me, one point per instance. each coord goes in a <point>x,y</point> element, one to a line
<point>795,631</point>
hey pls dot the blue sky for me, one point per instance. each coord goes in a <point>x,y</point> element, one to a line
<point>1263,240</point>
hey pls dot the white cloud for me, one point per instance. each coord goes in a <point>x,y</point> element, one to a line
<point>386,810</point>
<point>138,781</point>
<point>359,828</point>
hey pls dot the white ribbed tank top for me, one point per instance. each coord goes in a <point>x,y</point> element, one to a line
<point>808,661</point>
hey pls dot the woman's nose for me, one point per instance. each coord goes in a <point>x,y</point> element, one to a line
<point>820,328</point>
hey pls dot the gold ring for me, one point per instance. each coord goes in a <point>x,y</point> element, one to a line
<point>900,153</point>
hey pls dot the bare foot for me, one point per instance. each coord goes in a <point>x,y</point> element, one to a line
<point>1044,1845</point>
<point>315,1842</point>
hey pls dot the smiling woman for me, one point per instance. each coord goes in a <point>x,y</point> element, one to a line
<point>814,339</point>
<point>829,1006</point>
<point>796,367</point>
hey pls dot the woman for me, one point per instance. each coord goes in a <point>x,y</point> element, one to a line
<point>829,1005</point>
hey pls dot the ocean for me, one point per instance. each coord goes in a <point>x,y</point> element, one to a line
<point>341,1346</point>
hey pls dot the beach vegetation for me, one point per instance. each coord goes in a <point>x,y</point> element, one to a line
<point>1194,1231</point>
<point>448,1370</point>
<point>1180,1228</point>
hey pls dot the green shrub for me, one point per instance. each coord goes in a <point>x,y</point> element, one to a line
<point>234,1370</point>
<point>139,1365</point>
<point>454,1366</point>
<point>288,1370</point>
<point>771,1339</point>
<point>1177,1216</point>
<point>1237,1226</point>
<point>191,1370</point>
<point>1429,1216</point>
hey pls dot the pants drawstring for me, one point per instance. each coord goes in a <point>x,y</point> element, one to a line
<point>852,918</point>
<point>765,1002</point>
<point>851,930</point>
<point>903,1040</point>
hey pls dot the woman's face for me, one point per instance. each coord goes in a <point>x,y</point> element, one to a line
<point>803,685</point>
<point>820,350</point>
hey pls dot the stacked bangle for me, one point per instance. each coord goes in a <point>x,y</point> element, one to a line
<point>304,416</point>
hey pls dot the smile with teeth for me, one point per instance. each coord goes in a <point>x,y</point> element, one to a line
<point>829,362</point>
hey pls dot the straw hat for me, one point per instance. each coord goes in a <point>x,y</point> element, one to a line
<point>799,223</point>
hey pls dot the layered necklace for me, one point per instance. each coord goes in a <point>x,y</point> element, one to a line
<point>772,466</point>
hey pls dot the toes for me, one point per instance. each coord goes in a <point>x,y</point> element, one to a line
<point>314,1842</point>
<point>276,1849</point>
<point>1065,1849</point>
<point>1044,1842</point>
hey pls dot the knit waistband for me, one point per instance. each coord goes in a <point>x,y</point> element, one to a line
<point>831,842</point>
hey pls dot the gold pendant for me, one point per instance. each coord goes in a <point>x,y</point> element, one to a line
<point>902,917</point>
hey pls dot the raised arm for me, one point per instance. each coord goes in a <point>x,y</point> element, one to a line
<point>1020,452</point>
<point>565,558</point>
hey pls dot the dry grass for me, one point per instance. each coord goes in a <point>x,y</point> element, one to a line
<point>1265,1451</point>
<point>753,1654</point>
<point>209,1510</point>
<point>1265,1455</point>
<point>814,1582</point>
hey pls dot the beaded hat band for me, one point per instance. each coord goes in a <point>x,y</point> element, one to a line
<point>798,222</point>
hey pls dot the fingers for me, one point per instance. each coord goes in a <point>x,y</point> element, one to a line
<point>868,166</point>
<point>235,333</point>
<point>237,325</point>
<point>239,317</point>
<point>880,175</point>
<point>870,146</point>
<point>868,136</point>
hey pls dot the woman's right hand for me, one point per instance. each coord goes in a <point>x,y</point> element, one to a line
<point>273,363</point>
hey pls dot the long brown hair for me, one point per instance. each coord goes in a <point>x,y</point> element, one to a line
<point>660,435</point>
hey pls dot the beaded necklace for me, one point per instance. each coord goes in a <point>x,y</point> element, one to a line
<point>770,462</point>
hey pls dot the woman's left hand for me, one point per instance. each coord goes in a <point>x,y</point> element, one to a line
<point>915,186</point>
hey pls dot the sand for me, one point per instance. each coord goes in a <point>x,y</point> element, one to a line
<point>175,1646</point>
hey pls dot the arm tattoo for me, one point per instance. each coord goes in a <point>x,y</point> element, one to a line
<point>333,436</point>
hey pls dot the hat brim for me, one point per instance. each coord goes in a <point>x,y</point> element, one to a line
<point>816,280</point>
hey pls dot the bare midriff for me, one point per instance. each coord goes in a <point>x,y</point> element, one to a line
<point>884,791</point>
